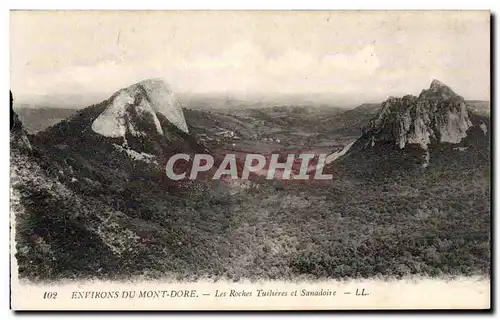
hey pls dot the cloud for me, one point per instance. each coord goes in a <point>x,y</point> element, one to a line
<point>363,62</point>
<point>370,58</point>
<point>242,67</point>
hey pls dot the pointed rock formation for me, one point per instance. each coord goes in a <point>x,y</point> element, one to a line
<point>437,115</point>
<point>439,91</point>
<point>432,131</point>
<point>137,110</point>
<point>136,130</point>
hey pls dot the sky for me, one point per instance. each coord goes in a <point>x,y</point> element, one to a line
<point>366,55</point>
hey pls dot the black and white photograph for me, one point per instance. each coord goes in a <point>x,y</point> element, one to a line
<point>250,148</point>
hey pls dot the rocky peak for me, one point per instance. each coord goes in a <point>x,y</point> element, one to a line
<point>139,109</point>
<point>437,84</point>
<point>437,115</point>
<point>439,91</point>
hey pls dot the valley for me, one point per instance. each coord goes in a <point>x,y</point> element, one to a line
<point>95,203</point>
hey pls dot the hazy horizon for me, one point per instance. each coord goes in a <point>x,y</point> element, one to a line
<point>347,57</point>
<point>76,101</point>
<point>81,101</point>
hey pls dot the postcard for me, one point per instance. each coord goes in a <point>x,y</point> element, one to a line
<point>250,160</point>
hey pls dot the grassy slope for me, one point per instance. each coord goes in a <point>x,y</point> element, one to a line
<point>436,223</point>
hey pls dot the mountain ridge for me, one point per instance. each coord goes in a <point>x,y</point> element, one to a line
<point>437,115</point>
<point>412,133</point>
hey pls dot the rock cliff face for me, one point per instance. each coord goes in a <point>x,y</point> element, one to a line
<point>437,115</point>
<point>136,110</point>
<point>18,137</point>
